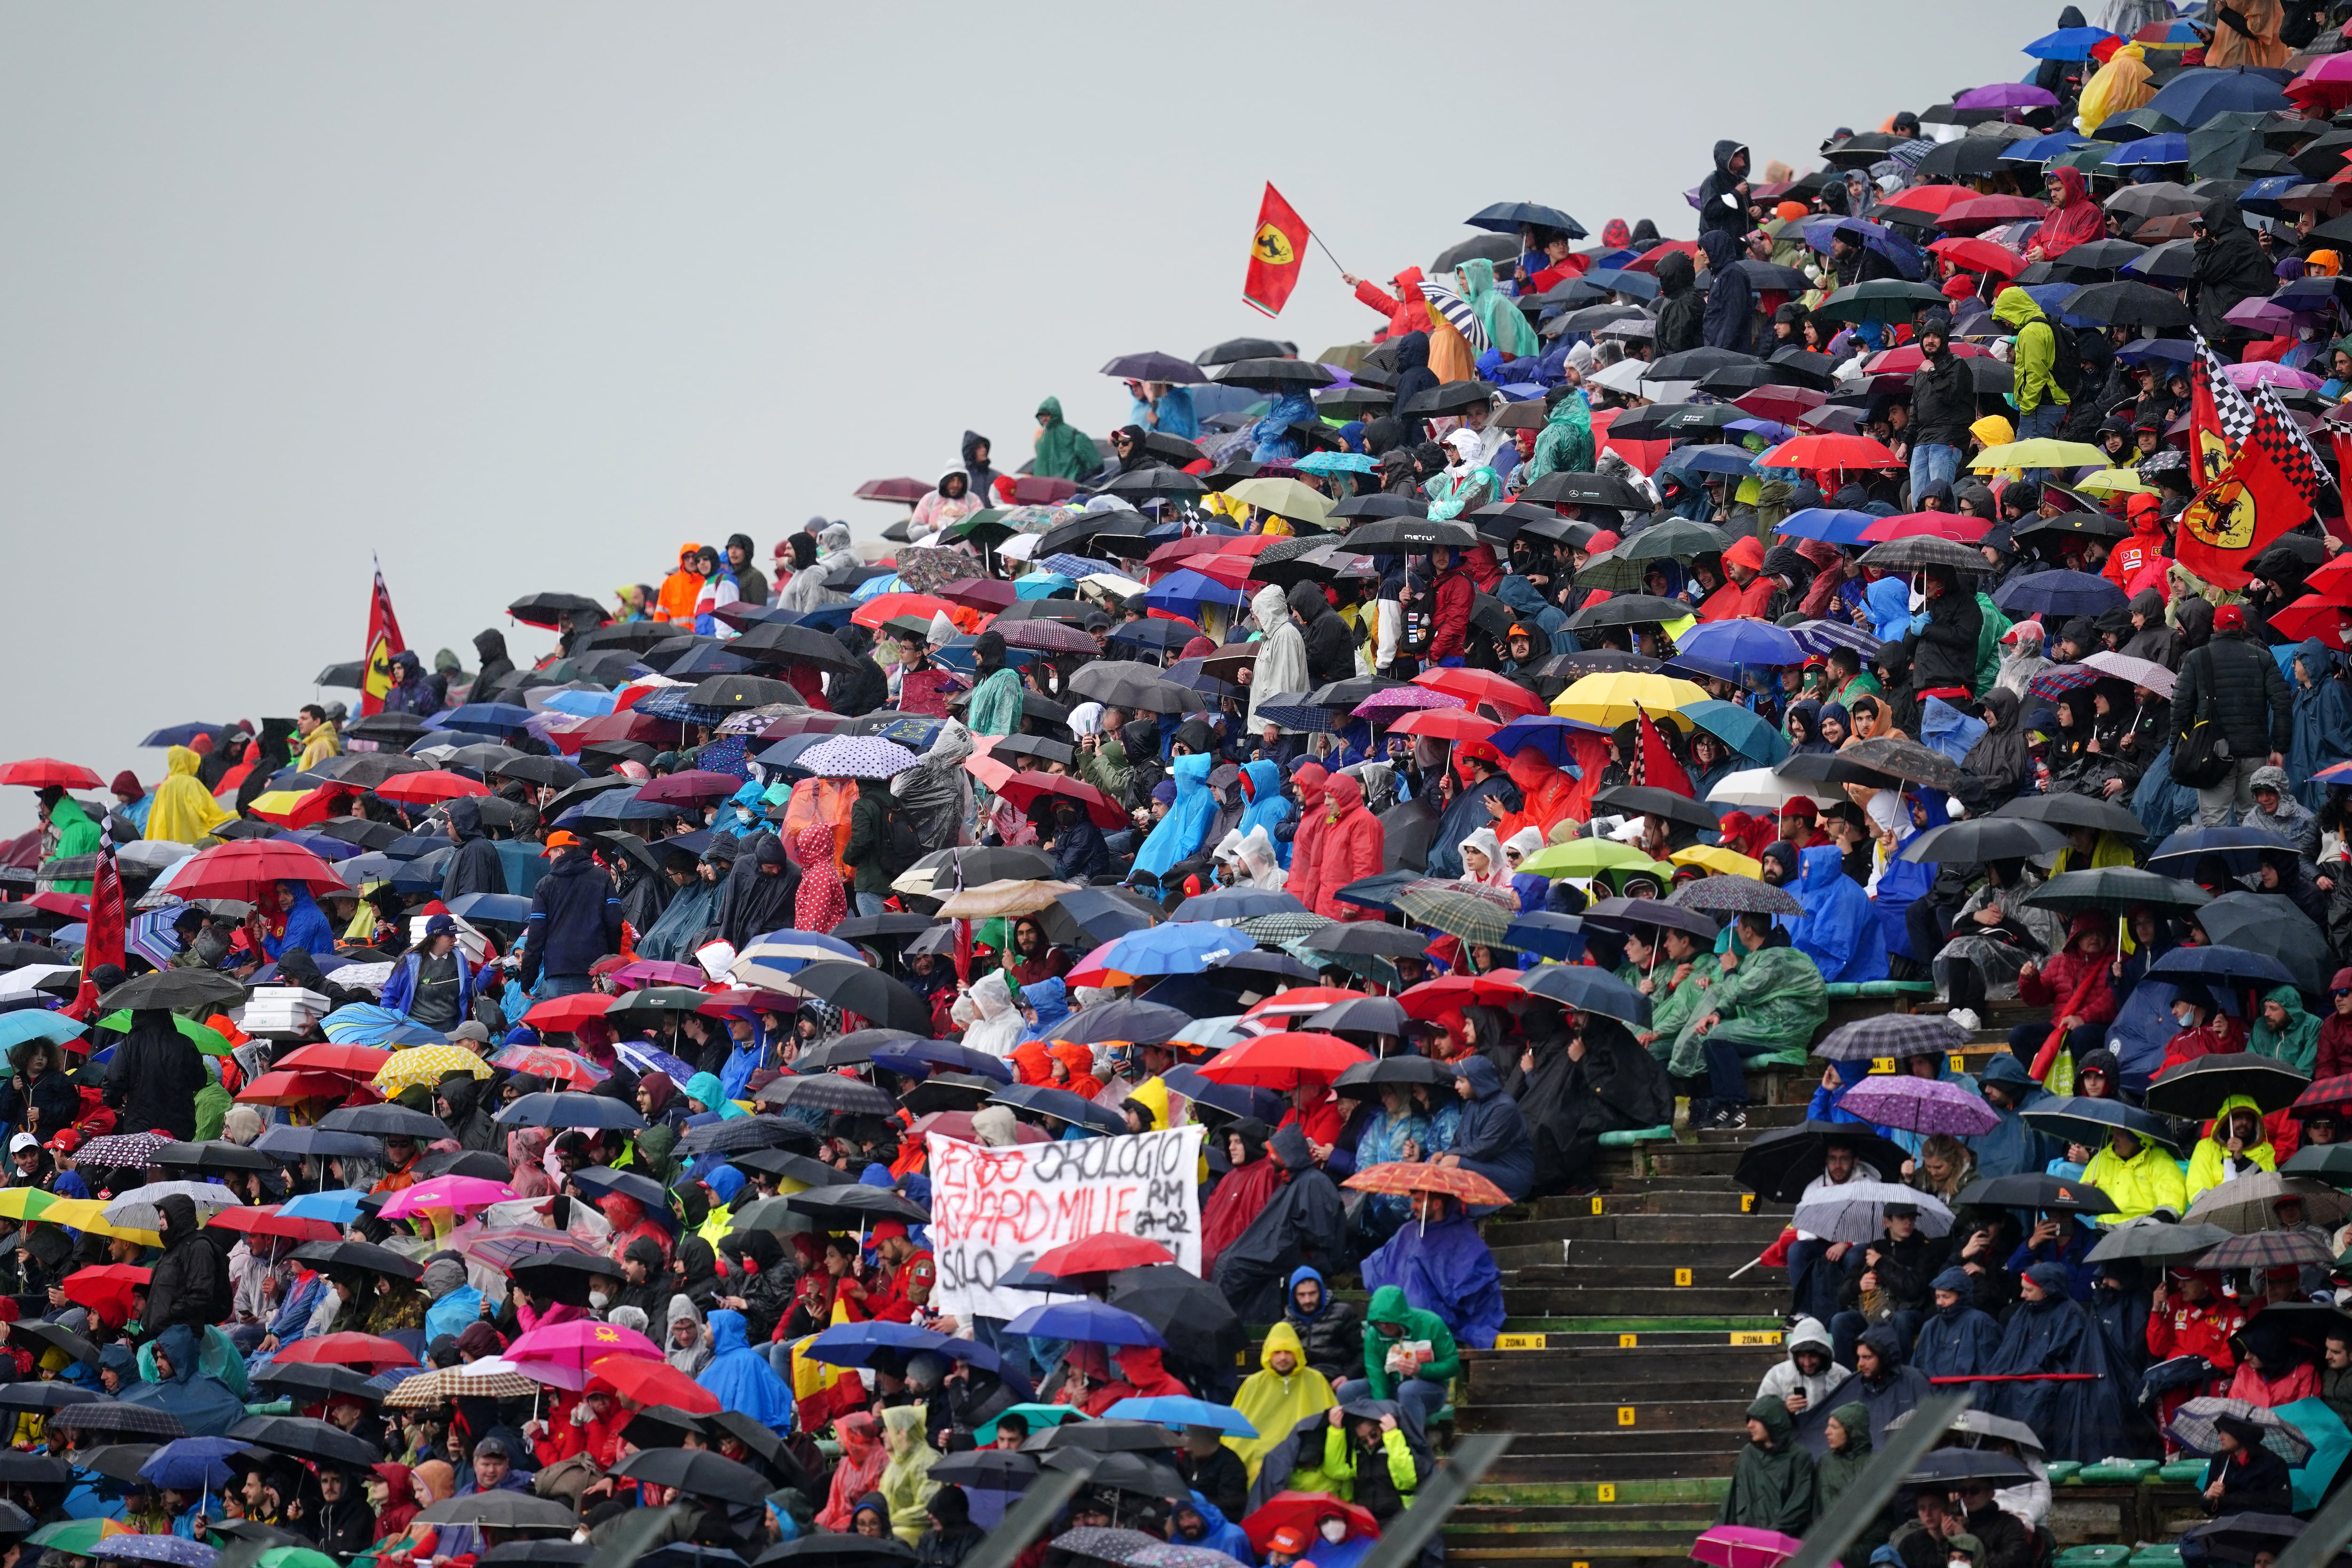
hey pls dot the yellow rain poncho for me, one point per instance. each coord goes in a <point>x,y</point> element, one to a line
<point>2208,1164</point>
<point>1273,1402</point>
<point>184,811</point>
<point>905,1484</point>
<point>2118,86</point>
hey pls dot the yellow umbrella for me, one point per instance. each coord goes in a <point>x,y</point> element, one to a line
<point>27,1203</point>
<point>89,1214</point>
<point>1616,697</point>
<point>1716,858</point>
<point>1283,497</point>
<point>2117,481</point>
<point>2041,452</point>
<point>426,1065</point>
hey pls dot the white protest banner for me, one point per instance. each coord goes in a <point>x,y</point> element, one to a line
<point>993,1210</point>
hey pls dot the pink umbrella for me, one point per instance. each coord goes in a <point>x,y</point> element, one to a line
<point>1744,1546</point>
<point>2266,372</point>
<point>1919,1105</point>
<point>560,1354</point>
<point>1395,702</point>
<point>456,1194</point>
<point>2262,314</point>
<point>645,972</point>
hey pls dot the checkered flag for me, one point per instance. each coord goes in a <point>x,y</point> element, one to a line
<point>2232,411</point>
<point>2293,451</point>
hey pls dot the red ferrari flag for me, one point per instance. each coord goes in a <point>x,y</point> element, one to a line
<point>1653,764</point>
<point>383,641</point>
<point>1274,249</point>
<point>103,943</point>
<point>2264,488</point>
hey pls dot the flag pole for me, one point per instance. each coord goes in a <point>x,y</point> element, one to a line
<point>1327,251</point>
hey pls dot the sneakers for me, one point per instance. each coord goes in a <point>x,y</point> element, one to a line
<point>1730,1119</point>
<point>1966,1018</point>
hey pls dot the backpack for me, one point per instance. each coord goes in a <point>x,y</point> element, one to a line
<point>2201,759</point>
<point>901,846</point>
<point>2066,357</point>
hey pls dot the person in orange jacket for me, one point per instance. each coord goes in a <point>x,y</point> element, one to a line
<point>2140,562</point>
<point>681,588</point>
<point>1745,591</point>
<point>1407,308</point>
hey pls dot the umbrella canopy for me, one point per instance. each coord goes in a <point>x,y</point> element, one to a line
<point>2250,1203</point>
<point>1781,1163</point>
<point>1892,1037</point>
<point>2197,1089</point>
<point>1922,1105</point>
<point>1856,1211</point>
<point>2193,1426</point>
<point>2157,1241</point>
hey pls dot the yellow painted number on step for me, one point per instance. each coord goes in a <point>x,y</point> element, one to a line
<point>1756,1337</point>
<point>1681,1276</point>
<point>1881,1064</point>
<point>1747,1203</point>
<point>1597,1206</point>
<point>1959,1062</point>
<point>1519,1342</point>
<point>1607,1493</point>
<point>1627,1342</point>
<point>1625,1416</point>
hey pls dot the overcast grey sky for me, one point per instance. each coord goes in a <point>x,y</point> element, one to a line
<point>517,295</point>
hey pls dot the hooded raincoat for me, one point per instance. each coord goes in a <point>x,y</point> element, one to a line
<point>1064,452</point>
<point>1839,930</point>
<point>183,812</point>
<point>1773,1482</point>
<point>1275,1402</point>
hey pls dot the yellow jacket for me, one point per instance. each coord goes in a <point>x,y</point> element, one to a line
<point>2148,1179</point>
<point>2207,1166</point>
<point>185,811</point>
<point>323,743</point>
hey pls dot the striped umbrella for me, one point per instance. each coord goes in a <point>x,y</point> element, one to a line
<point>2194,1426</point>
<point>1459,313</point>
<point>856,757</point>
<point>447,1383</point>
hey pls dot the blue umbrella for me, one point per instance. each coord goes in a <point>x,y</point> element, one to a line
<point>2239,847</point>
<point>2231,965</point>
<point>1177,1410</point>
<point>505,907</point>
<point>956,654</point>
<point>1185,591</point>
<point>1820,637</point>
<point>915,732</point>
<point>177,734</point>
<point>2144,348</point>
<point>40,1024</point>
<point>2041,149</point>
<point>1716,459</point>
<point>339,1206</point>
<point>176,1551</point>
<point>1545,733</point>
<point>568,1110</point>
<point>487,718</point>
<point>2194,97</point>
<point>1552,935</point>
<point>921,1054</point>
<point>2058,594</point>
<point>1830,525</point>
<point>1231,1099</point>
<point>1875,236</point>
<point>1617,280</point>
<point>320,845</point>
<point>855,1344</point>
<point>1189,948</point>
<point>2262,195</point>
<point>2065,1115</point>
<point>1086,1323</point>
<point>192,1463</point>
<point>2068,44</point>
<point>2170,147</point>
<point>1588,990</point>
<point>1062,1104</point>
<point>644,1059</point>
<point>1509,218</point>
<point>581,704</point>
<point>705,660</point>
<point>1740,728</point>
<point>1161,634</point>
<point>1741,642</point>
<point>1238,904</point>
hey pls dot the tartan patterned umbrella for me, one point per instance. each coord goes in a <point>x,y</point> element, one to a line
<point>1293,711</point>
<point>2266,1249</point>
<point>2249,1203</point>
<point>1919,1105</point>
<point>120,1149</point>
<point>1734,895</point>
<point>856,757</point>
<point>1897,1034</point>
<point>1459,911</point>
<point>2333,1093</point>
<point>449,1383</point>
<point>829,1092</point>
<point>1406,1178</point>
<point>2056,682</point>
<point>120,1419</point>
<point>425,1066</point>
<point>1297,927</point>
<point>2194,1426</point>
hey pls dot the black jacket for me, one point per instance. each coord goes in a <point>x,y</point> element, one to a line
<point>157,1073</point>
<point>1330,654</point>
<point>190,1284</point>
<point>476,867</point>
<point>1943,402</point>
<point>2237,687</point>
<point>575,919</point>
<point>867,851</point>
<point>470,1119</point>
<point>1682,313</point>
<point>2228,269</point>
<point>343,1528</point>
<point>1719,204</point>
<point>1334,1338</point>
<point>862,687</point>
<point>1222,1477</point>
<point>1729,321</point>
<point>1944,652</point>
<point>490,647</point>
<point>2007,1543</point>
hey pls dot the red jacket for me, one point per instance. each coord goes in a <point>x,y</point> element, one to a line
<point>2054,983</point>
<point>2335,1044</point>
<point>2204,1329</point>
<point>1407,308</point>
<point>2221,1037</point>
<point>1732,601</point>
<point>1453,597</point>
<point>1305,882</point>
<point>1351,846</point>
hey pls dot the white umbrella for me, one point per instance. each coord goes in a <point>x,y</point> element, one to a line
<point>141,1208</point>
<point>2139,671</point>
<point>1754,786</point>
<point>1856,1211</point>
<point>1624,377</point>
<point>156,852</point>
<point>20,982</point>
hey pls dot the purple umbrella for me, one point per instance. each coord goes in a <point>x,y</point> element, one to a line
<point>2006,95</point>
<point>2260,314</point>
<point>1396,699</point>
<point>1919,1105</point>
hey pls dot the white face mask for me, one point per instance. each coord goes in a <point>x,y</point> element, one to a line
<point>598,1299</point>
<point>2185,1019</point>
<point>1335,1531</point>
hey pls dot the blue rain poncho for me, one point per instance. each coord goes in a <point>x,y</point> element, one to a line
<point>2322,720</point>
<point>1958,1339</point>
<point>1267,808</point>
<point>741,1377</point>
<point>1181,834</point>
<point>1445,1269</point>
<point>1902,883</point>
<point>1839,930</point>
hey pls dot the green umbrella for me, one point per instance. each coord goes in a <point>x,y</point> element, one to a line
<point>210,1041</point>
<point>1880,300</point>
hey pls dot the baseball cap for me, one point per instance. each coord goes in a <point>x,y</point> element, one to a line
<point>1799,806</point>
<point>561,840</point>
<point>2229,618</point>
<point>470,1030</point>
<point>889,1231</point>
<point>492,1448</point>
<point>21,1142</point>
<point>440,925</point>
<point>1289,1539</point>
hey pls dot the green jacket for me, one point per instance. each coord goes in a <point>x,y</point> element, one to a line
<point>1565,443</point>
<point>1105,767</point>
<point>1773,1486</point>
<point>1389,1307</point>
<point>1340,1459</point>
<point>996,704</point>
<point>77,835</point>
<point>2036,351</point>
<point>1670,1012</point>
<point>869,839</point>
<point>1772,1005</point>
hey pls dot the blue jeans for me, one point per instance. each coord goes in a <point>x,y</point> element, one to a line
<point>2042,421</point>
<point>1417,1399</point>
<point>870,904</point>
<point>1930,463</point>
<point>561,985</point>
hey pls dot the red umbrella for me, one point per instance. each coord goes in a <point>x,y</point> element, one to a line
<point>1021,789</point>
<point>957,1124</point>
<point>1971,254</point>
<point>2313,616</point>
<point>1100,1253</point>
<point>1432,997</point>
<point>1908,359</point>
<point>431,785</point>
<point>567,1013</point>
<point>693,784</point>
<point>906,492</point>
<point>267,1221</point>
<point>1827,451</point>
<point>1032,490</point>
<point>49,900</point>
<point>1475,686</point>
<point>987,595</point>
<point>1981,212</point>
<point>282,1087</point>
<point>1444,724</point>
<point>48,773</point>
<point>1275,1061</point>
<point>2325,87</point>
<point>1405,1179</point>
<point>360,1061</point>
<point>1929,199</point>
<point>651,1383</point>
<point>1046,636</point>
<point>1648,261</point>
<point>106,1289</point>
<point>347,1350</point>
<point>2327,1094</point>
<point>1948,525</point>
<point>622,726</point>
<point>1303,1511</point>
<point>242,869</point>
<point>1780,403</point>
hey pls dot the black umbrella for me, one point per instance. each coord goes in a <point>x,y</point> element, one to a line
<point>1092,916</point>
<point>1191,1314</point>
<point>322,1380</point>
<point>389,1120</point>
<point>1266,374</point>
<point>821,1550</point>
<point>2072,810</point>
<point>1232,351</point>
<point>1947,1467</point>
<point>1392,1069</point>
<point>1122,1471</point>
<point>1152,365</point>
<point>1985,838</point>
<point>120,1419</point>
<point>1636,800</point>
<point>1105,1436</point>
<point>2270,924</point>
<point>2126,305</point>
<point>33,1469</point>
<point>782,642</point>
<point>1921,550</point>
<point>1630,610</point>
<point>742,1134</point>
<point>1367,939</point>
<point>538,1553</point>
<point>492,1510</point>
<point>43,1395</point>
<point>1634,914</point>
<point>829,1092</point>
<point>856,1206</point>
<point>1121,683</point>
<point>550,773</point>
<point>1140,1023</point>
<point>462,1162</point>
<point>1379,503</point>
<point>1141,484</point>
<point>218,1154</point>
<point>177,989</point>
<point>1410,535</point>
<point>364,1256</point>
<point>2196,1088</point>
<point>2033,1190</point>
<point>58,1338</point>
<point>1906,759</point>
<point>570,1277</point>
<point>2243,1537</point>
<point>871,994</point>
<point>309,1439</point>
<point>1451,398</point>
<point>1586,489</point>
<point>700,1472</point>
<point>1782,1162</point>
<point>2118,890</point>
<point>999,1469</point>
<point>802,1168</point>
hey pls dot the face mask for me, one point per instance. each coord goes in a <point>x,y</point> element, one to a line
<point>2185,1019</point>
<point>598,1299</point>
<point>1335,1531</point>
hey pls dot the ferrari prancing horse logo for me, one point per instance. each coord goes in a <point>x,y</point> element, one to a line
<point>1273,247</point>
